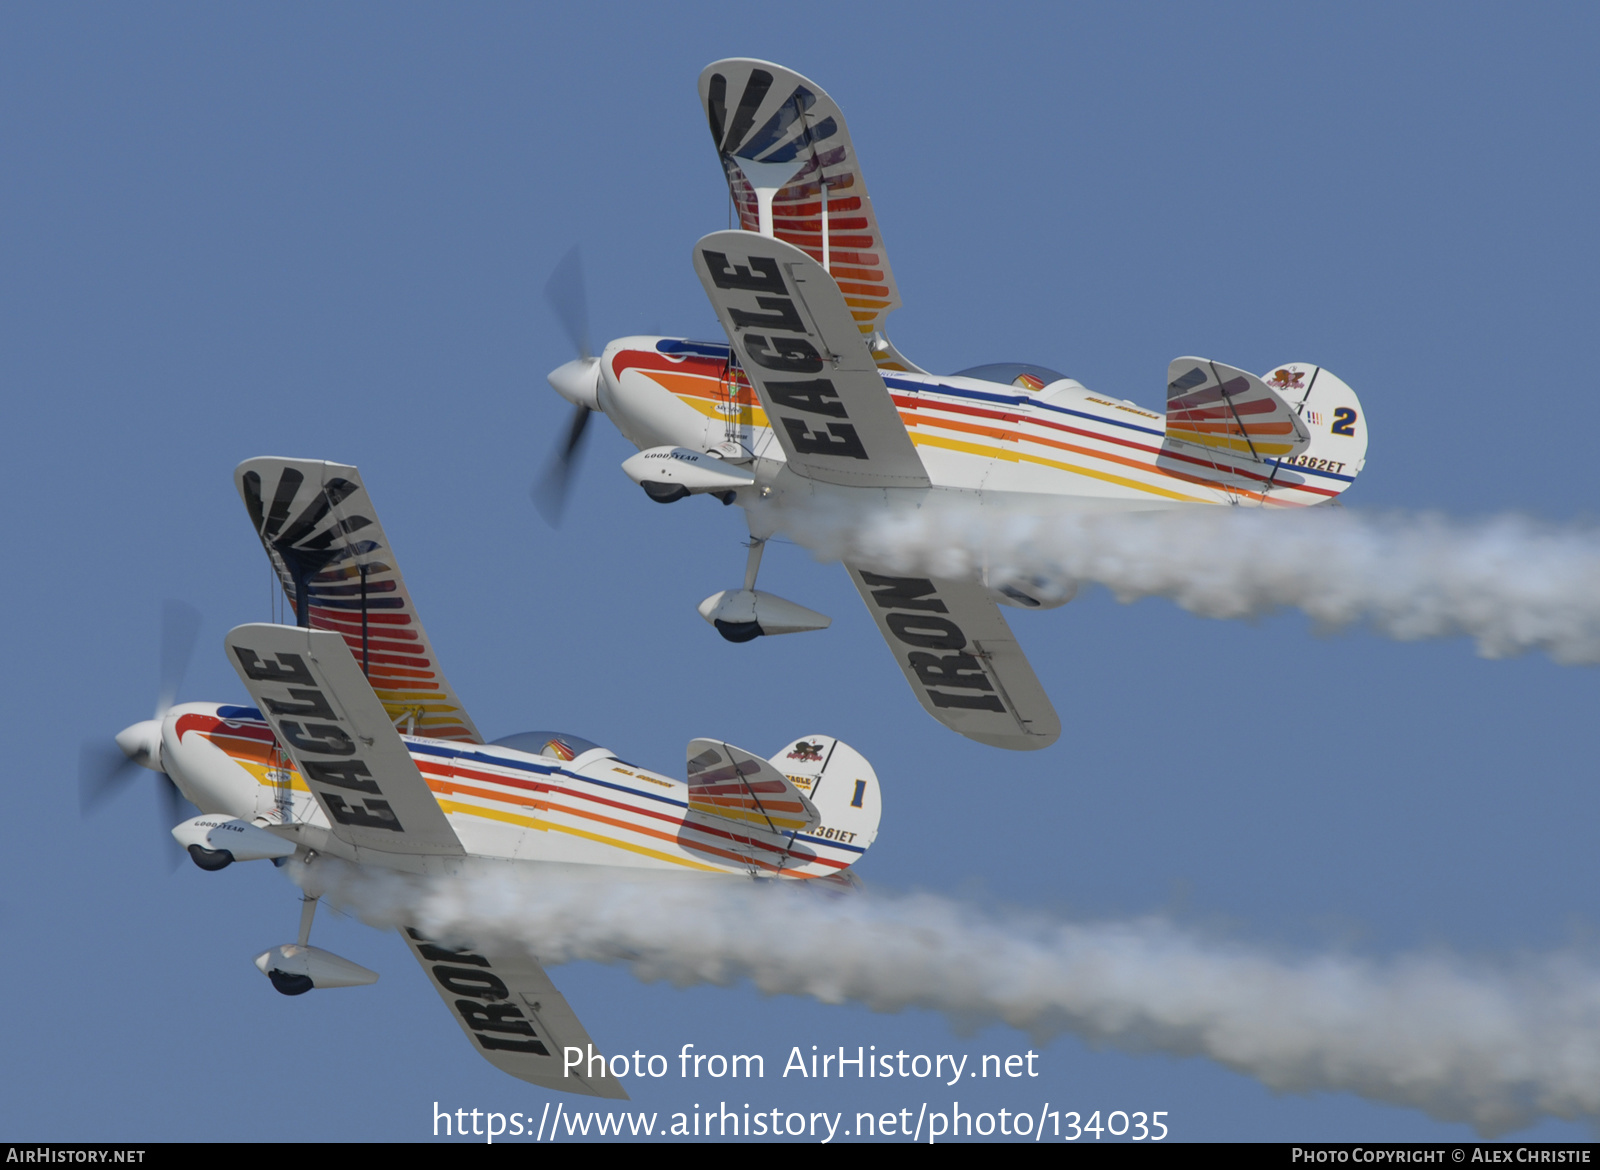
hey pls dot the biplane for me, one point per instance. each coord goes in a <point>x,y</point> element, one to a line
<point>808,403</point>
<point>355,745</point>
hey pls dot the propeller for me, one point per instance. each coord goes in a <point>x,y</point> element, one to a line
<point>567,296</point>
<point>106,768</point>
<point>577,381</point>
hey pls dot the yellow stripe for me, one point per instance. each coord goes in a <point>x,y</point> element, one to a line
<point>259,771</point>
<point>740,814</point>
<point>415,699</point>
<point>748,415</point>
<point>921,438</point>
<point>1262,447</point>
<point>473,810</point>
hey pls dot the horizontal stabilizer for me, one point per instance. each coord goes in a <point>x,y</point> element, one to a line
<point>730,783</point>
<point>1231,411</point>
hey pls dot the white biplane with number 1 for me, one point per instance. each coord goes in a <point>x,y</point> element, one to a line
<point>808,401</point>
<point>357,747</point>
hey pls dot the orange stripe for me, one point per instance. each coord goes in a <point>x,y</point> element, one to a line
<point>246,749</point>
<point>695,384</point>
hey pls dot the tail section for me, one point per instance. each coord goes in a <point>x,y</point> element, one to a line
<point>1291,438</point>
<point>842,787</point>
<point>1332,413</point>
<point>809,812</point>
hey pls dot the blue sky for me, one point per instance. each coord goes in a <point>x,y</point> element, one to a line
<point>324,231</point>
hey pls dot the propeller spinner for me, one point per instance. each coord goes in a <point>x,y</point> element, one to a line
<point>104,769</point>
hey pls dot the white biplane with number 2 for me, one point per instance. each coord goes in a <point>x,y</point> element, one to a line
<point>355,746</point>
<point>808,401</point>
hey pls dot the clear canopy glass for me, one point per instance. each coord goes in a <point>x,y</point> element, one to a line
<point>554,745</point>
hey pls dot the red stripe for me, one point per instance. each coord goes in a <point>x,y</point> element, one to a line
<point>801,239</point>
<point>211,724</point>
<point>811,203</point>
<point>915,403</point>
<point>330,616</point>
<point>392,671</point>
<point>351,627</point>
<point>644,359</point>
<point>448,772</point>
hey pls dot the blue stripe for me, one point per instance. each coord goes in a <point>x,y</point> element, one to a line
<point>1311,471</point>
<point>1015,400</point>
<point>1116,422</point>
<point>434,749</point>
<point>829,844</point>
<point>702,348</point>
<point>323,601</point>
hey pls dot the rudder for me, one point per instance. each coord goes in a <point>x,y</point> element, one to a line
<point>1331,412</point>
<point>843,788</point>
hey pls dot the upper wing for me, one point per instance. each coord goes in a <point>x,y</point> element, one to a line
<point>791,331</point>
<point>515,1017</point>
<point>777,130</point>
<point>1230,410</point>
<point>322,533</point>
<point>960,658</point>
<point>342,741</point>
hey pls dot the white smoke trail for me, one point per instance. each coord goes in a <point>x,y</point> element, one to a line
<point>1497,1046</point>
<point>1510,583</point>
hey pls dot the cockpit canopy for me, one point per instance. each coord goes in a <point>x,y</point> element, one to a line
<point>1018,374</point>
<point>553,745</point>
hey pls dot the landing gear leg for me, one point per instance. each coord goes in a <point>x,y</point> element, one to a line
<point>308,911</point>
<point>752,564</point>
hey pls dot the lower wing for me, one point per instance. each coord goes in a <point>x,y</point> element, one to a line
<point>515,1017</point>
<point>960,658</point>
